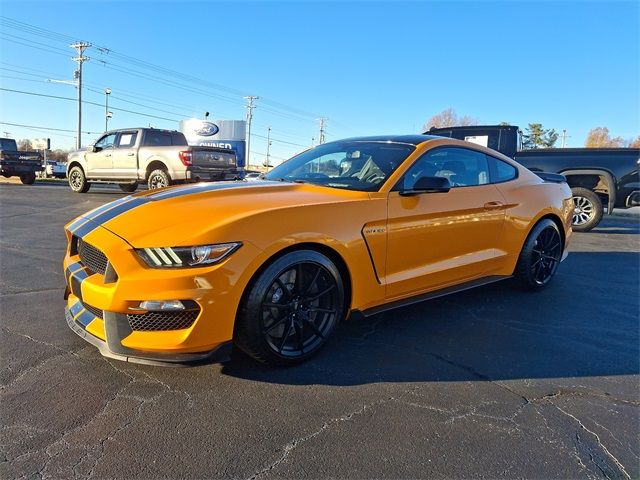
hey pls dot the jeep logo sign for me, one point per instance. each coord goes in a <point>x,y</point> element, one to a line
<point>207,129</point>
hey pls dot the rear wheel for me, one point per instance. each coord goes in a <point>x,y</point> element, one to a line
<point>158,179</point>
<point>78,181</point>
<point>587,211</point>
<point>540,256</point>
<point>291,309</point>
<point>128,187</point>
<point>28,178</point>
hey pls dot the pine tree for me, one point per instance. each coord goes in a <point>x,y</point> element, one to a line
<point>537,137</point>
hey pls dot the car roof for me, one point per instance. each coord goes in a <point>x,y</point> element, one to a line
<point>407,139</point>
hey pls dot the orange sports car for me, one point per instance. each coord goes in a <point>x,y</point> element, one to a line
<point>271,266</point>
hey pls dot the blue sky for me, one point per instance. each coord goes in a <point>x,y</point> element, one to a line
<point>369,67</point>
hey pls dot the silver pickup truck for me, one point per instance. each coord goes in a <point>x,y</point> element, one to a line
<point>156,157</point>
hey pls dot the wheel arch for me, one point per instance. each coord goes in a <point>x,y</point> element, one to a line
<point>325,250</point>
<point>155,164</point>
<point>75,163</point>
<point>604,176</point>
<point>555,219</point>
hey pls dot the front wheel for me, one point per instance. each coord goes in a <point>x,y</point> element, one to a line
<point>128,187</point>
<point>28,178</point>
<point>158,179</point>
<point>587,211</point>
<point>289,312</point>
<point>540,256</point>
<point>78,181</point>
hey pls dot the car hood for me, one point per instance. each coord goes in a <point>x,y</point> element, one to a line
<point>206,212</point>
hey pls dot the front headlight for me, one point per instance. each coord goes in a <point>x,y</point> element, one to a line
<point>176,257</point>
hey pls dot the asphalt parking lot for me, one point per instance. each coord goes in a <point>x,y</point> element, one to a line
<point>490,383</point>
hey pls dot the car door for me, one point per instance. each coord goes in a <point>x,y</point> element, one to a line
<point>125,155</point>
<point>435,240</point>
<point>99,163</point>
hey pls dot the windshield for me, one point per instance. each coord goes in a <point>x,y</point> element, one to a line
<point>352,165</point>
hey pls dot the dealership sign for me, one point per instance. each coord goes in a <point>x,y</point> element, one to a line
<point>229,134</point>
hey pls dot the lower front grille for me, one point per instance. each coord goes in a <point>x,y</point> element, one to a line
<point>95,311</point>
<point>162,321</point>
<point>92,258</point>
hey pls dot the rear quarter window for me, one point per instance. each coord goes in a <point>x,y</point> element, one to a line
<point>157,138</point>
<point>502,171</point>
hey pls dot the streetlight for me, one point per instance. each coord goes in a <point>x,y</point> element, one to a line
<point>107,113</point>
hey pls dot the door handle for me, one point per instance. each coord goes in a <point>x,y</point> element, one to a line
<point>493,205</point>
<point>130,154</point>
<point>108,155</point>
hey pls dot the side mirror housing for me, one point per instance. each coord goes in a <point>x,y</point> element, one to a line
<point>92,149</point>
<point>428,185</point>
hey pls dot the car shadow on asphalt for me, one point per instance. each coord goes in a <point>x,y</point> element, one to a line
<point>584,324</point>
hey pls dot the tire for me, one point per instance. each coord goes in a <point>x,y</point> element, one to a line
<point>588,209</point>
<point>128,187</point>
<point>282,321</point>
<point>540,256</point>
<point>28,178</point>
<point>77,180</point>
<point>158,179</point>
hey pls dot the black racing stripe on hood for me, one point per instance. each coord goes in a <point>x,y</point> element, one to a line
<point>109,206</point>
<point>80,221</point>
<point>202,188</point>
<point>102,218</point>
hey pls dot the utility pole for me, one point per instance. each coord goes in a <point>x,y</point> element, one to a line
<point>321,137</point>
<point>80,47</point>
<point>268,148</point>
<point>564,138</point>
<point>107,113</point>
<point>250,106</point>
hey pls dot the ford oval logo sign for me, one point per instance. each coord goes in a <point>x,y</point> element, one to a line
<point>207,129</point>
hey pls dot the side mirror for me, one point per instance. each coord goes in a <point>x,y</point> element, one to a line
<point>92,149</point>
<point>428,185</point>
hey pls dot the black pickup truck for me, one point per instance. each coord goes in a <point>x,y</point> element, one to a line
<point>14,162</point>
<point>598,177</point>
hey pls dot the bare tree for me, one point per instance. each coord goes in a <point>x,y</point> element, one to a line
<point>635,143</point>
<point>449,118</point>
<point>599,137</point>
<point>24,145</point>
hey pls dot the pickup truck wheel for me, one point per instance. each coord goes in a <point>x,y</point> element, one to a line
<point>128,187</point>
<point>587,211</point>
<point>158,179</point>
<point>77,180</point>
<point>28,178</point>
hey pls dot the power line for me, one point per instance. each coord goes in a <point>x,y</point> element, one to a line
<point>27,28</point>
<point>44,128</point>
<point>88,103</point>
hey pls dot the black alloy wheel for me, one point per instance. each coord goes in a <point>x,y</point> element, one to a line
<point>540,256</point>
<point>292,309</point>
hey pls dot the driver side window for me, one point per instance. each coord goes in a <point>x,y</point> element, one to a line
<point>462,167</point>
<point>106,142</point>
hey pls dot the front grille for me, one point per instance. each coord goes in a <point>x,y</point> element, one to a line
<point>95,311</point>
<point>160,321</point>
<point>92,258</point>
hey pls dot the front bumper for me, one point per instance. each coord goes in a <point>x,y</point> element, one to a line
<point>117,329</point>
<point>127,281</point>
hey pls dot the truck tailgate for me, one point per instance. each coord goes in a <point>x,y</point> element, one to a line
<point>215,159</point>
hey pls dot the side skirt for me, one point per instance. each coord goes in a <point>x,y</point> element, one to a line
<point>430,295</point>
